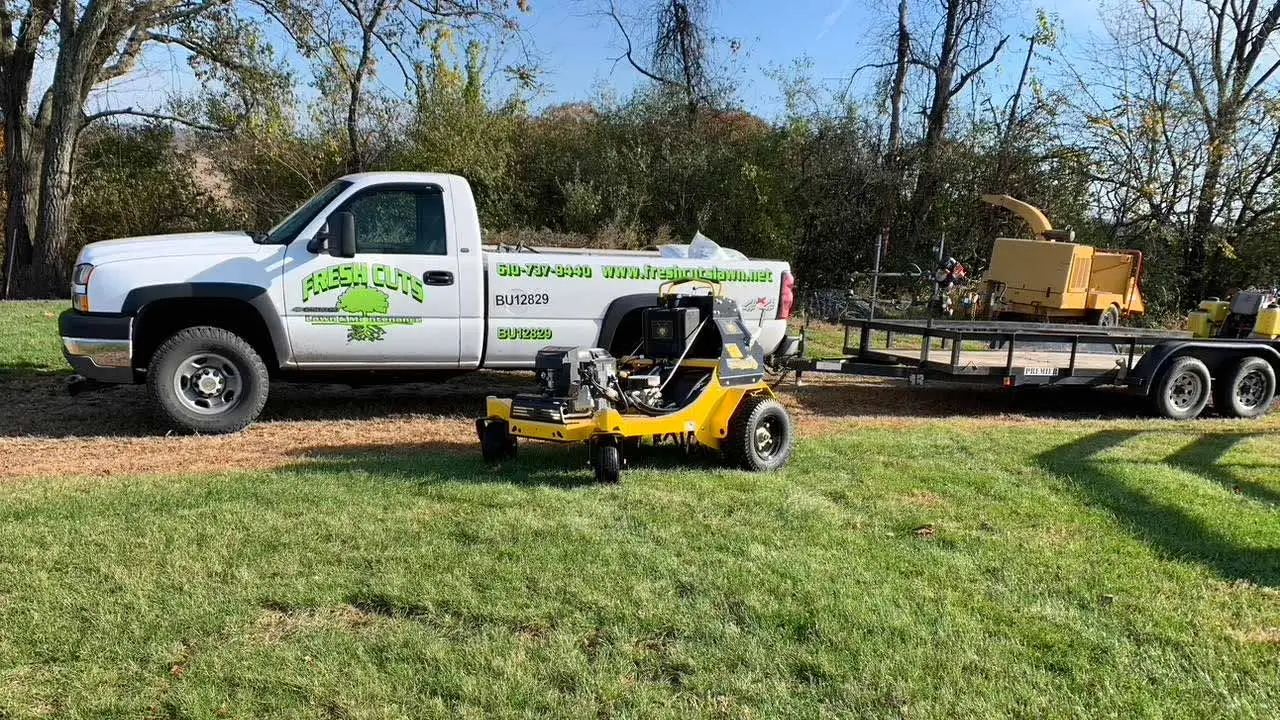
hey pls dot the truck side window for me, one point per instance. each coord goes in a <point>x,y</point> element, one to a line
<point>399,221</point>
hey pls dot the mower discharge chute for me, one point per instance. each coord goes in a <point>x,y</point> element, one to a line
<point>695,379</point>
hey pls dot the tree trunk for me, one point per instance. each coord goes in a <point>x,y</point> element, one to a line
<point>21,190</point>
<point>20,175</point>
<point>50,271</point>
<point>1196,253</point>
<point>899,92</point>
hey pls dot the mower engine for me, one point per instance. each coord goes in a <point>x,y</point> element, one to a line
<point>574,382</point>
<point>1246,306</point>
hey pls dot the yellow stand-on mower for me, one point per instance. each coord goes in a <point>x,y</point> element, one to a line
<point>697,380</point>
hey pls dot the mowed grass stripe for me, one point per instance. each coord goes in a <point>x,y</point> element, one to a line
<point>29,341</point>
<point>939,572</point>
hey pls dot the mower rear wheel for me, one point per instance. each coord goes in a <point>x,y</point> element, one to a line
<point>606,461</point>
<point>496,441</point>
<point>760,436</point>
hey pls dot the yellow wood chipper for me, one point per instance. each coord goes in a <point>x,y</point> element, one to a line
<point>1052,278</point>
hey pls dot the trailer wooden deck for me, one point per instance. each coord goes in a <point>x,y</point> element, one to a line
<point>940,359</point>
<point>1004,353</point>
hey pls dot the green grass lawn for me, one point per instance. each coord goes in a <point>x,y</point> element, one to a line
<point>29,337</point>
<point>1065,571</point>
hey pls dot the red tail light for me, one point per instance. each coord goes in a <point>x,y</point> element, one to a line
<point>787,296</point>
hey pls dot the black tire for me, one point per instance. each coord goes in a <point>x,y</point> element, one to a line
<point>606,461</point>
<point>1109,317</point>
<point>1183,390</point>
<point>760,435</point>
<point>1245,389</point>
<point>496,441</point>
<point>237,385</point>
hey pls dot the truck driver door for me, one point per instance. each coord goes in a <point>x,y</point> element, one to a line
<point>394,303</point>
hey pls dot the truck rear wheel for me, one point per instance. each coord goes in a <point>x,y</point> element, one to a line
<point>1183,390</point>
<point>207,380</point>
<point>1245,389</point>
<point>760,435</point>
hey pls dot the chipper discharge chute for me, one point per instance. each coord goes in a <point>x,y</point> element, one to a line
<point>1052,278</point>
<point>696,380</point>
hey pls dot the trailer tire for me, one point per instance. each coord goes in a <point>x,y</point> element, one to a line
<point>1245,389</point>
<point>207,380</point>
<point>760,436</point>
<point>1183,390</point>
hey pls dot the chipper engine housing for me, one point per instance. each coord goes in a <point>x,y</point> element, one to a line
<point>697,381</point>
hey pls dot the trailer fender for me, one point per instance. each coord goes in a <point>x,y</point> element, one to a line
<point>1213,354</point>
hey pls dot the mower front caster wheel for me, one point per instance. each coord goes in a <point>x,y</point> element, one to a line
<point>496,441</point>
<point>606,461</point>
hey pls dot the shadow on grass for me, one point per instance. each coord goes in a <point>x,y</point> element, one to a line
<point>37,403</point>
<point>1203,457</point>
<point>897,399</point>
<point>1164,526</point>
<point>22,370</point>
<point>537,464</point>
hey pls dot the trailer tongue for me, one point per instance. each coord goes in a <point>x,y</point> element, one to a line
<point>1179,373</point>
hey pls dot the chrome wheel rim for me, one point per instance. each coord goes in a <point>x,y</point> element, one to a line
<point>208,383</point>
<point>1186,390</point>
<point>1251,391</point>
<point>768,437</point>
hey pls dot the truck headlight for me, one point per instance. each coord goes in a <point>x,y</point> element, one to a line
<point>80,286</point>
<point>80,276</point>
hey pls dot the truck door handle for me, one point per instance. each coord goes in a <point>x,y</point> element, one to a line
<point>437,277</point>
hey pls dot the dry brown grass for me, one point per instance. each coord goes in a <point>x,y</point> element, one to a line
<point>46,433</point>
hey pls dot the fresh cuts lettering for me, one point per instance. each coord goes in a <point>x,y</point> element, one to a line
<point>362,275</point>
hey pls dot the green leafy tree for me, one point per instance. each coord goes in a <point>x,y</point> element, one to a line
<point>364,301</point>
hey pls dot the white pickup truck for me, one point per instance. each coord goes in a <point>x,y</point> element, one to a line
<point>379,276</point>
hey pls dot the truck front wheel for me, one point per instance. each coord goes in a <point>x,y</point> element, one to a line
<point>1246,389</point>
<point>207,380</point>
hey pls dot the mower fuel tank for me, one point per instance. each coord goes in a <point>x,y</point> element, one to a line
<point>669,330</point>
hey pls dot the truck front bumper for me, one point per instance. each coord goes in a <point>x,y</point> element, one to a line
<point>99,347</point>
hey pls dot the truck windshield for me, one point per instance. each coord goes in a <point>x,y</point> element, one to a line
<point>288,228</point>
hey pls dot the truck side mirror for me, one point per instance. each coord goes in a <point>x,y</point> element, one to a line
<point>341,232</point>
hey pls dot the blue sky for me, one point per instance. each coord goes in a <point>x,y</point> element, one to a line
<point>576,47</point>
<point>835,35</point>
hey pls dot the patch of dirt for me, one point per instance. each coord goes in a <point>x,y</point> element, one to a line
<point>44,432</point>
<point>1262,636</point>
<point>922,498</point>
<point>278,624</point>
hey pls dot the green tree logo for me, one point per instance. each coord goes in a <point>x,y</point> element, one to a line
<point>364,301</point>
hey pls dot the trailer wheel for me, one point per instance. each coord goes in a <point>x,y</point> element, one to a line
<point>1245,389</point>
<point>496,441</point>
<point>1183,390</point>
<point>760,435</point>
<point>207,380</point>
<point>606,461</point>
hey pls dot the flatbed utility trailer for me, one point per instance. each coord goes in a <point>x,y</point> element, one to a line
<point>1179,373</point>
